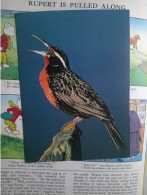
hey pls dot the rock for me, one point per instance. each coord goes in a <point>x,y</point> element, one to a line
<point>65,146</point>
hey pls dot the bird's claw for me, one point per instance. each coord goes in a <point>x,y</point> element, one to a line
<point>68,126</point>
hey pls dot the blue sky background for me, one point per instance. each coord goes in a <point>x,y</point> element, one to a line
<point>97,46</point>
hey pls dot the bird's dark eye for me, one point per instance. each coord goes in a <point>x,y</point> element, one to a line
<point>55,65</point>
<point>48,55</point>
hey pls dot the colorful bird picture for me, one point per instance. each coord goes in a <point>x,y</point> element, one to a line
<point>81,81</point>
<point>71,94</point>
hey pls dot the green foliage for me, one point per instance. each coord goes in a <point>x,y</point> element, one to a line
<point>136,58</point>
<point>138,75</point>
<point>11,148</point>
<point>10,73</point>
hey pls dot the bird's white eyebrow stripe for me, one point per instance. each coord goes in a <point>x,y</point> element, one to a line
<point>60,59</point>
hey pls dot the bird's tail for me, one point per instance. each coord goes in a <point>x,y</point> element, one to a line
<point>118,140</point>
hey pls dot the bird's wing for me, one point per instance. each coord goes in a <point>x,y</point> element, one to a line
<point>83,98</point>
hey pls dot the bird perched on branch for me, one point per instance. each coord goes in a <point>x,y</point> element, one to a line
<point>71,94</point>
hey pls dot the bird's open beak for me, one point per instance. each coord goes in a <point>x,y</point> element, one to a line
<point>43,53</point>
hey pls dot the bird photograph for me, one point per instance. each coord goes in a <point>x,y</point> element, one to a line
<point>74,82</point>
<point>68,92</point>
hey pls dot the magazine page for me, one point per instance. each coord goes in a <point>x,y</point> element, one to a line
<point>100,176</point>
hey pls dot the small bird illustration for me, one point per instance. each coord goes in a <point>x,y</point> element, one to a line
<point>71,94</point>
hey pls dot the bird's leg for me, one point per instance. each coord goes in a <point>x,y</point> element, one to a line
<point>71,124</point>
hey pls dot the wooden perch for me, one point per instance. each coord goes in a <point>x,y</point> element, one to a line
<point>65,146</point>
